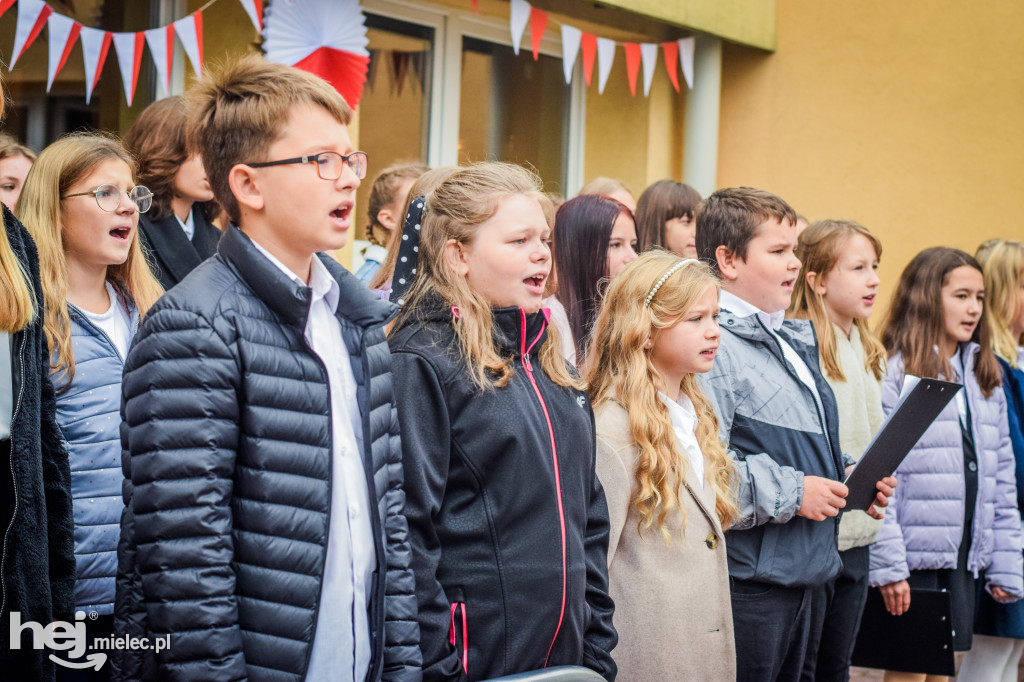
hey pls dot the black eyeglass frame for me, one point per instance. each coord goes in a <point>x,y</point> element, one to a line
<point>315,159</point>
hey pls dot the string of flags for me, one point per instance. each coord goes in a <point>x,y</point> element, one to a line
<point>575,42</point>
<point>64,32</point>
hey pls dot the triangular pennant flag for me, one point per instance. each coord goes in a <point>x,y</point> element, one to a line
<point>571,37</point>
<point>671,52</point>
<point>418,65</point>
<point>32,16</point>
<point>476,6</point>
<point>538,23</point>
<point>63,33</point>
<point>161,48</point>
<point>190,33</point>
<point>605,57</point>
<point>400,60</point>
<point>6,5</point>
<point>254,8</point>
<point>519,17</point>
<point>128,47</point>
<point>632,65</point>
<point>649,54</point>
<point>95,45</point>
<point>588,45</point>
<point>686,46</point>
<point>371,68</point>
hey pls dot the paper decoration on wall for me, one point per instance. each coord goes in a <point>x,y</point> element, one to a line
<point>95,45</point>
<point>190,34</point>
<point>254,8</point>
<point>161,48</point>
<point>63,34</point>
<point>128,47</point>
<point>32,16</point>
<point>576,41</point>
<point>325,37</point>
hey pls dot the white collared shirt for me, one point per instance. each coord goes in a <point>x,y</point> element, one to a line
<point>773,323</point>
<point>189,225</point>
<point>684,424</point>
<point>341,644</point>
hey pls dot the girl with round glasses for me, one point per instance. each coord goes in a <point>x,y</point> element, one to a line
<point>81,205</point>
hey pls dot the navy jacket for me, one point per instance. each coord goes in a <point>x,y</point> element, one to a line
<point>508,522</point>
<point>227,432</point>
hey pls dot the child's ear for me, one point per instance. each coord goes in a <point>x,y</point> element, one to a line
<point>816,284</point>
<point>244,185</point>
<point>387,219</point>
<point>727,262</point>
<point>457,257</point>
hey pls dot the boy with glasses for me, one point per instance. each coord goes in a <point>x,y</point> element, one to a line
<point>264,530</point>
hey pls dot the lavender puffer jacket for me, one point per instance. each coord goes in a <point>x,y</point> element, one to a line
<point>924,522</point>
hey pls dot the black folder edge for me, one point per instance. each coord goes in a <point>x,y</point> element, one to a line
<point>899,434</point>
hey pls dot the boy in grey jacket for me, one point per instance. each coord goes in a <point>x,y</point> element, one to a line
<point>778,416</point>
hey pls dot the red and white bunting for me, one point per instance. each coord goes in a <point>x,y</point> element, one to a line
<point>128,47</point>
<point>571,39</point>
<point>605,58</point>
<point>190,33</point>
<point>95,45</point>
<point>6,5</point>
<point>63,34</point>
<point>254,8</point>
<point>632,64</point>
<point>538,24</point>
<point>588,46</point>
<point>649,55</point>
<point>161,49</point>
<point>519,17</point>
<point>32,16</point>
<point>686,47</point>
<point>671,52</point>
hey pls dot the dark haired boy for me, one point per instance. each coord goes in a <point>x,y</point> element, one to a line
<point>264,531</point>
<point>778,416</point>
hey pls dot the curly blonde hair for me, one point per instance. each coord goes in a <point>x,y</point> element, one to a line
<point>619,368</point>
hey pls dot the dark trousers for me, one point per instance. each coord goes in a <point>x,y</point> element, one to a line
<point>842,619</point>
<point>777,630</point>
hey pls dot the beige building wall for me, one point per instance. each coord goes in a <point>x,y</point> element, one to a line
<point>906,116</point>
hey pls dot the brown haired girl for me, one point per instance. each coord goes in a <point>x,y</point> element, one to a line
<point>389,194</point>
<point>666,216</point>
<point>176,233</point>
<point>664,471</point>
<point>507,521</point>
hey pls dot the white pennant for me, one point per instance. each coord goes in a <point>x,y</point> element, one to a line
<point>605,57</point>
<point>59,29</point>
<point>28,15</point>
<point>649,58</point>
<point>92,40</point>
<point>156,38</point>
<point>250,9</point>
<point>571,37</point>
<point>686,46</point>
<point>186,30</point>
<point>124,45</point>
<point>519,18</point>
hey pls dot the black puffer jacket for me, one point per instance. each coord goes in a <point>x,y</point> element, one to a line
<point>228,437</point>
<point>508,522</point>
<point>38,578</point>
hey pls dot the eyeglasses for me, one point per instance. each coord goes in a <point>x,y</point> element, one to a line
<point>328,164</point>
<point>108,197</point>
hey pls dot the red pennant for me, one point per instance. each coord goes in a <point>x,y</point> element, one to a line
<point>108,38</point>
<point>588,45</point>
<point>476,6</point>
<point>6,5</point>
<point>140,43</point>
<point>538,23</point>
<point>632,65</point>
<point>76,28</point>
<point>40,22</point>
<point>671,50</point>
<point>199,31</point>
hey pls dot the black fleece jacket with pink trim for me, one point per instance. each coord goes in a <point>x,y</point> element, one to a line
<point>507,519</point>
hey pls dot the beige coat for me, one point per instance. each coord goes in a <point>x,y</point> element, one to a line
<point>672,607</point>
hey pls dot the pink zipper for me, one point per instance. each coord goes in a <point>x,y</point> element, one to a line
<point>554,458</point>
<point>461,606</point>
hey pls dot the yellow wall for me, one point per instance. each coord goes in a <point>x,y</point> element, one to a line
<point>749,22</point>
<point>906,116</point>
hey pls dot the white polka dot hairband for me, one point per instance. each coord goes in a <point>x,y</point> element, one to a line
<point>650,296</point>
<point>408,251</point>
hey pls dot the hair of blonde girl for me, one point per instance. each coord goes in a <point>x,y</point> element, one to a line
<point>57,169</point>
<point>19,305</point>
<point>619,368</point>
<point>454,210</point>
<point>1002,262</point>
<point>818,249</point>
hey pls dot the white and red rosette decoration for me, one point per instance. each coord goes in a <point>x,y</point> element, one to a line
<point>324,37</point>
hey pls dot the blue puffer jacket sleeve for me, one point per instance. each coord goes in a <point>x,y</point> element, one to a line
<point>181,479</point>
<point>1007,567</point>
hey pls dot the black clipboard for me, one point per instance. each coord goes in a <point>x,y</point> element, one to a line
<point>914,413</point>
<point>919,641</point>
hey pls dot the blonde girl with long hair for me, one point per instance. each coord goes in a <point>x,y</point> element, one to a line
<point>999,628</point>
<point>664,470</point>
<point>81,205</point>
<point>836,291</point>
<point>507,521</point>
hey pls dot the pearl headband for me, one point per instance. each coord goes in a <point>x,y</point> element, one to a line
<point>650,296</point>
